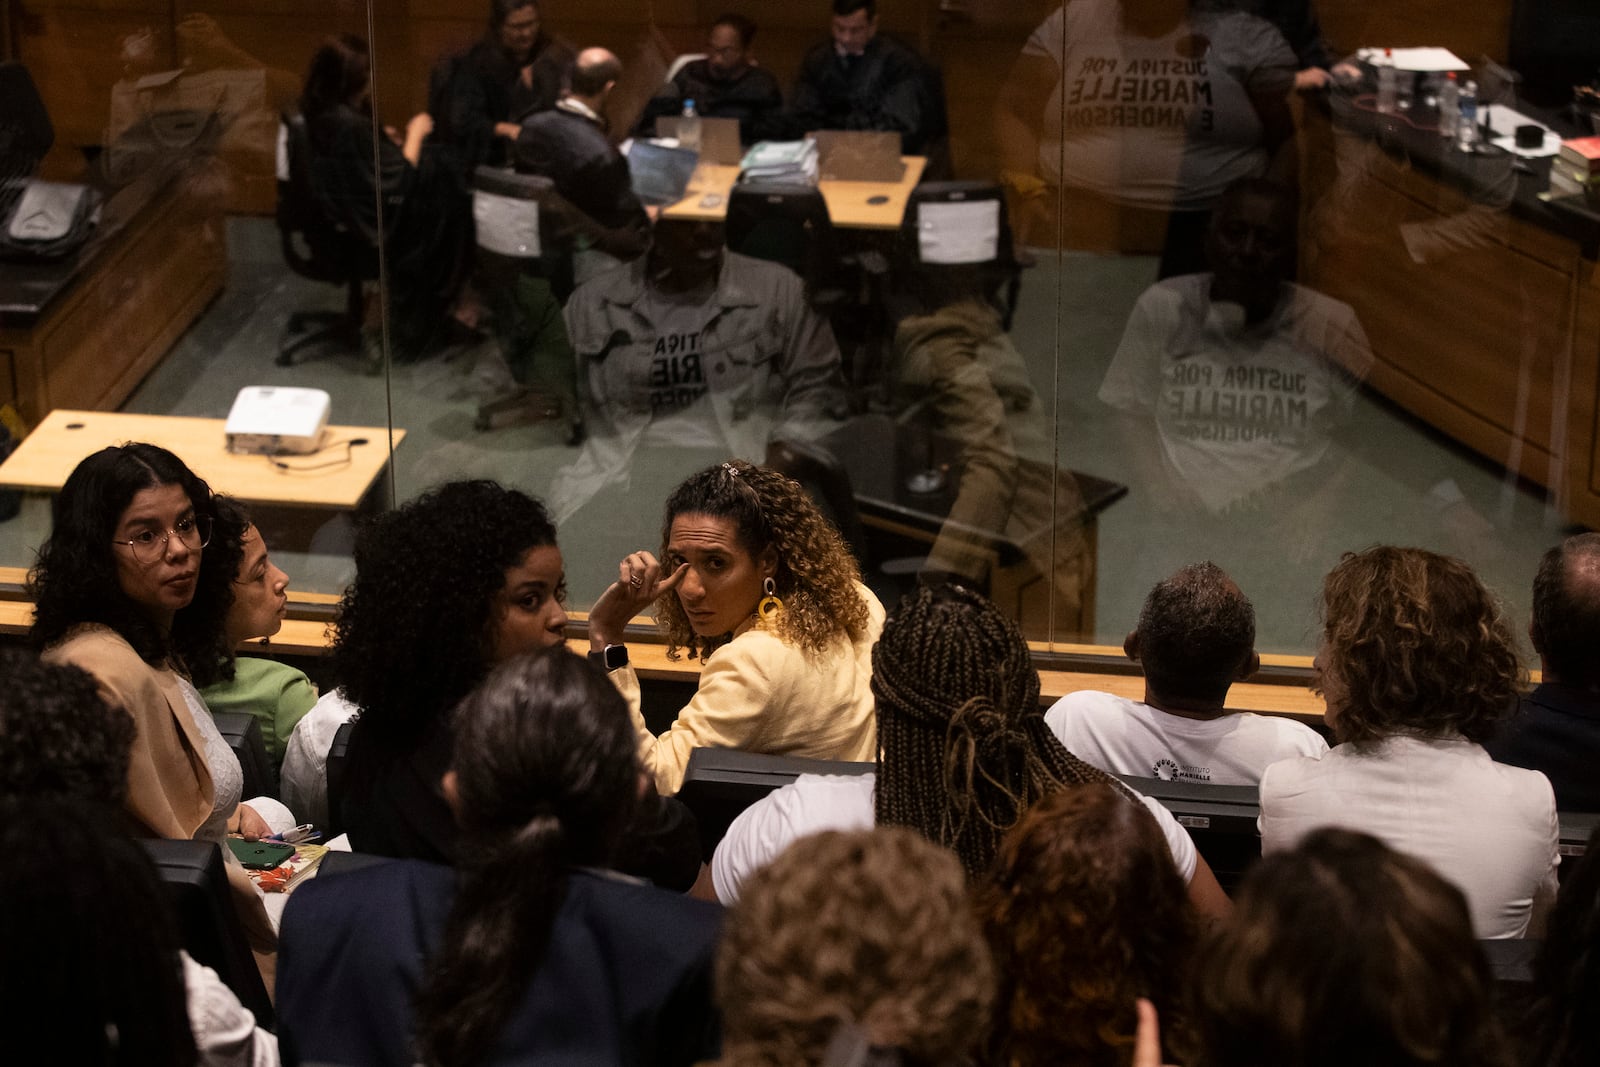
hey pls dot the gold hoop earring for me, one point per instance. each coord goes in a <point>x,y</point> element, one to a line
<point>770,605</point>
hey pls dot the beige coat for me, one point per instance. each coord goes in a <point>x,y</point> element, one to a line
<point>170,791</point>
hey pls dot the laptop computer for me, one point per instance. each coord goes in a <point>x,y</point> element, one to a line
<point>719,138</point>
<point>859,156</point>
<point>659,175</point>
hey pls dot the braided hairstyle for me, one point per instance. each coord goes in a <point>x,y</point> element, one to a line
<point>963,749</point>
<point>546,777</point>
<point>816,577</point>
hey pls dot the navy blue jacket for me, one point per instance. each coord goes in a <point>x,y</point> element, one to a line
<point>626,980</point>
<point>1556,730</point>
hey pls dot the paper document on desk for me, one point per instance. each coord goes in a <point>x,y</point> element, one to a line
<point>1418,60</point>
<point>1502,123</point>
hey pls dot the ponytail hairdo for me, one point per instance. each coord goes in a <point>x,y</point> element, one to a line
<point>963,749</point>
<point>546,779</point>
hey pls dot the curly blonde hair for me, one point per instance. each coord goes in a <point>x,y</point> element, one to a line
<point>870,929</point>
<point>816,577</point>
<point>1412,642</point>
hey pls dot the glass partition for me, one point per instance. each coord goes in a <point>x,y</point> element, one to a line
<point>1128,284</point>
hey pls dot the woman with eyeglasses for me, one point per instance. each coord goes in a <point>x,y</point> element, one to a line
<point>119,591</point>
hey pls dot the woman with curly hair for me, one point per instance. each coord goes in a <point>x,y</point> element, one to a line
<point>964,752</point>
<point>761,588</point>
<point>855,947</point>
<point>460,579</point>
<point>1417,666</point>
<point>530,951</point>
<point>1085,913</point>
<point>124,589</point>
<point>1344,951</point>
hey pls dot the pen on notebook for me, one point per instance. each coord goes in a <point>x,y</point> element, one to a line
<point>297,835</point>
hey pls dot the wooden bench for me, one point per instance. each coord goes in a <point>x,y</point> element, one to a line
<point>1280,689</point>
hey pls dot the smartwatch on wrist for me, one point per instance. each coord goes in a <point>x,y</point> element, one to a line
<point>610,658</point>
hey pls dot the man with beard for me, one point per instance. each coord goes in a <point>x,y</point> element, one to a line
<point>726,84</point>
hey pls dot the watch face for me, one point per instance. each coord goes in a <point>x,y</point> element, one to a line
<point>611,657</point>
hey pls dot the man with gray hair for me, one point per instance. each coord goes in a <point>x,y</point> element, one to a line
<point>1557,726</point>
<point>1196,637</point>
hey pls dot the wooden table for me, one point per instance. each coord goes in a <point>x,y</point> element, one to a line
<point>55,447</point>
<point>848,202</point>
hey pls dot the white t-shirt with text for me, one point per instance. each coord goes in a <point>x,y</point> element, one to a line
<point>1129,737</point>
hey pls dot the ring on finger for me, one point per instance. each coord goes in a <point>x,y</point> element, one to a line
<point>635,581</point>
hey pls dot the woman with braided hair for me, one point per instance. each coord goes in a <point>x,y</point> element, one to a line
<point>530,950</point>
<point>964,751</point>
<point>760,586</point>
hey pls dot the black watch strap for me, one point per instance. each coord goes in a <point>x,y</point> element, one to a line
<point>610,658</point>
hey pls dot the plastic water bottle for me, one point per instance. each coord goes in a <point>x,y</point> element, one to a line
<point>1449,106</point>
<point>1467,124</point>
<point>1387,82</point>
<point>689,128</point>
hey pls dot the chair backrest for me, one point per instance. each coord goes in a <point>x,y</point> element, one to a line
<point>719,783</point>
<point>336,863</point>
<point>25,133</point>
<point>507,212</point>
<point>335,771</point>
<point>1220,818</point>
<point>784,222</point>
<point>197,886</point>
<point>678,64</point>
<point>956,236</point>
<point>243,733</point>
<point>315,243</point>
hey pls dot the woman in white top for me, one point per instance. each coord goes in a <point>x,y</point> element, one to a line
<point>1418,666</point>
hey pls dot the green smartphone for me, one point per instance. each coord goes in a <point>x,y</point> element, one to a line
<point>260,855</point>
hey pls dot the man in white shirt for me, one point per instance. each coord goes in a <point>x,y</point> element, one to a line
<point>1195,638</point>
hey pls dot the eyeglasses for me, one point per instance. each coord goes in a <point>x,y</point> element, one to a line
<point>193,532</point>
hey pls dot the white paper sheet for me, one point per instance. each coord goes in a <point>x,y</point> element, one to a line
<point>1504,122</point>
<point>958,231</point>
<point>1424,60</point>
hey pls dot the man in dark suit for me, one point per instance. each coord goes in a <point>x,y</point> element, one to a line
<point>726,84</point>
<point>568,145</point>
<point>1557,727</point>
<point>863,80</point>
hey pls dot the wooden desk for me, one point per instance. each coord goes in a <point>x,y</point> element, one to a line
<point>56,446</point>
<point>84,331</point>
<point>848,204</point>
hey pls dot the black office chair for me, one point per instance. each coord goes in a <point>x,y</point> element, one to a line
<point>318,246</point>
<point>243,733</point>
<point>197,886</point>
<point>719,783</point>
<point>335,772</point>
<point>1220,818</point>
<point>930,259</point>
<point>787,223</point>
<point>26,134</point>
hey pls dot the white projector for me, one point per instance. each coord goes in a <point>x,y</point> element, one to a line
<point>273,420</point>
